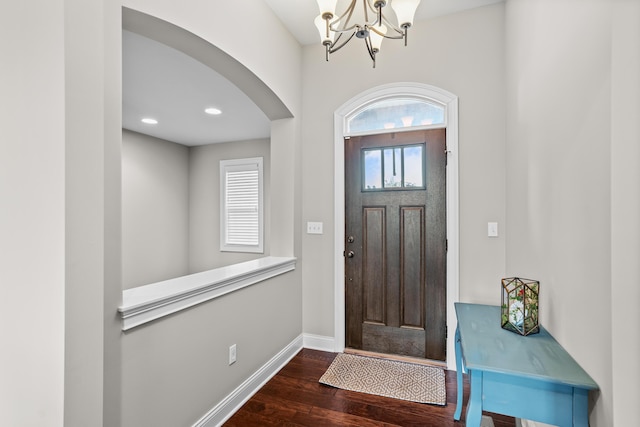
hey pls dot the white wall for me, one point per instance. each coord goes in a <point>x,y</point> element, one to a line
<point>559,186</point>
<point>155,209</point>
<point>32,215</point>
<point>461,53</point>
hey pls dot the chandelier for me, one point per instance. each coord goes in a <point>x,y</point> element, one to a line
<point>336,30</point>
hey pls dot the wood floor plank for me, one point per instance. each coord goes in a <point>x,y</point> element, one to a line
<point>294,397</point>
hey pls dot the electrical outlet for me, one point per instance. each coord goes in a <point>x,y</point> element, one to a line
<point>232,354</point>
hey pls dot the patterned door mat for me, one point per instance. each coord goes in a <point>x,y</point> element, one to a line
<point>389,378</point>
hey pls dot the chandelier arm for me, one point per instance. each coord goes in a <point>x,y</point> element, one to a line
<point>378,32</point>
<point>372,53</point>
<point>352,28</point>
<point>379,17</point>
<point>335,49</point>
<point>394,28</point>
<point>365,3</point>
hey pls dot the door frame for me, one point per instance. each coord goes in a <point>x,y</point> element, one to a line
<point>340,117</point>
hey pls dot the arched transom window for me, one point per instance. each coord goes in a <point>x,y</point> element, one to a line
<point>396,113</point>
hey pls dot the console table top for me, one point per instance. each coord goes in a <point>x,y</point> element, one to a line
<point>488,347</point>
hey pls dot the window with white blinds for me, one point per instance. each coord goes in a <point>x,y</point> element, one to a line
<point>241,214</point>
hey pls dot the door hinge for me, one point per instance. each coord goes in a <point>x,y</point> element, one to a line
<point>446,245</point>
<point>446,332</point>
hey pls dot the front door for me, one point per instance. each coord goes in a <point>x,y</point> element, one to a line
<point>395,249</point>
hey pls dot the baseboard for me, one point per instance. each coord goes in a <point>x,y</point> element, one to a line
<point>319,342</point>
<point>230,404</point>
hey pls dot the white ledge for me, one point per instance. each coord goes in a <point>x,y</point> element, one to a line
<point>149,302</point>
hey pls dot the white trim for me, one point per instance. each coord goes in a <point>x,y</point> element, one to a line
<point>414,90</point>
<point>319,342</point>
<point>146,303</point>
<point>230,404</point>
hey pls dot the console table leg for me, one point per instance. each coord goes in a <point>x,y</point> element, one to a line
<point>474,409</point>
<point>580,407</point>
<point>459,376</point>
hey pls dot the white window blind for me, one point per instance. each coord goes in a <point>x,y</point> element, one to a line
<point>241,213</point>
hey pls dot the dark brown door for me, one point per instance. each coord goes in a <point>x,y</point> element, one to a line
<point>395,249</point>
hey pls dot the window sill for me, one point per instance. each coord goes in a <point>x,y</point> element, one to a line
<point>150,302</point>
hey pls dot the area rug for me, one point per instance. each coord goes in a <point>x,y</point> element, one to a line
<point>389,378</point>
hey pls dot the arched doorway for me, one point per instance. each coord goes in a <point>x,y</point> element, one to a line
<point>343,118</point>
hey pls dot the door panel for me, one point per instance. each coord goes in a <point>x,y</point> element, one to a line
<point>374,262</point>
<point>395,269</point>
<point>412,265</point>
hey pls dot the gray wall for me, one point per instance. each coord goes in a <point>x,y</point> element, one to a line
<point>60,221</point>
<point>175,369</point>
<point>155,209</point>
<point>625,209</point>
<point>171,207</point>
<point>32,184</point>
<point>204,202</point>
<point>538,136</point>
<point>565,195</point>
<point>51,302</point>
<point>461,53</point>
<point>59,182</point>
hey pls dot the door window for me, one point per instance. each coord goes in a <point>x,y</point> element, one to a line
<point>393,168</point>
<point>396,113</point>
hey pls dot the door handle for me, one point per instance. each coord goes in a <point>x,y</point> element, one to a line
<point>350,254</point>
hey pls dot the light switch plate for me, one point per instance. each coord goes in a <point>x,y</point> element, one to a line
<point>492,229</point>
<point>314,228</point>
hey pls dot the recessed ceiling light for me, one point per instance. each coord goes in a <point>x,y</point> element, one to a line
<point>212,111</point>
<point>149,121</point>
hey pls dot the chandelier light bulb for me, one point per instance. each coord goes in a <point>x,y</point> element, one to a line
<point>405,11</point>
<point>327,7</point>
<point>377,34</point>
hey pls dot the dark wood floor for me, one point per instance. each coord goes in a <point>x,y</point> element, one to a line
<point>294,397</point>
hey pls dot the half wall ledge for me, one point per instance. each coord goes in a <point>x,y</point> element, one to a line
<point>153,301</point>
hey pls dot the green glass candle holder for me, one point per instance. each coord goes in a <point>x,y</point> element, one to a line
<point>520,305</point>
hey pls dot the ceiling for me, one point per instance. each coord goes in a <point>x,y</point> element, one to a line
<point>298,15</point>
<point>162,83</point>
<point>165,84</point>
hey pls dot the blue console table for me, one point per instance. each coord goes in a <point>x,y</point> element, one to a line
<point>530,377</point>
